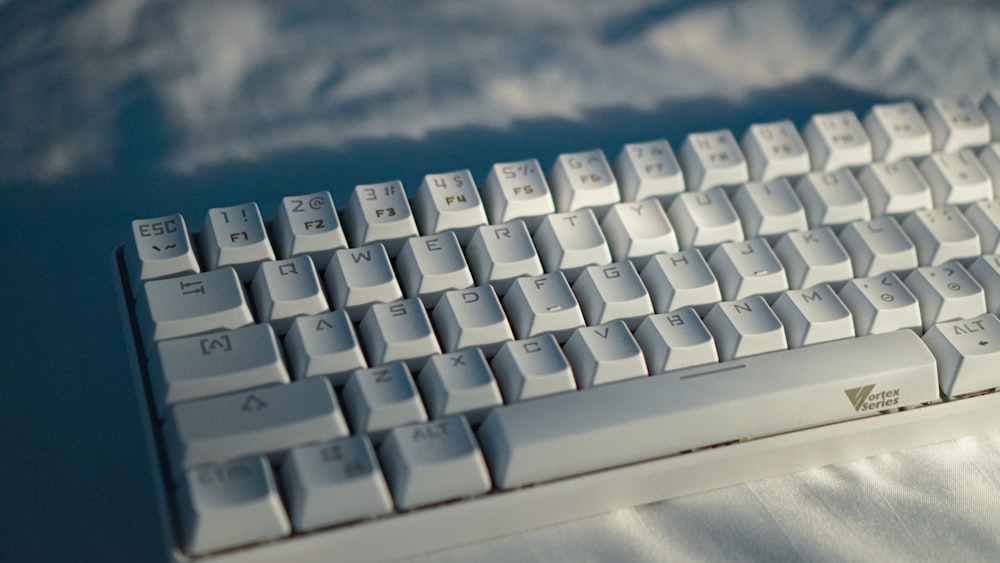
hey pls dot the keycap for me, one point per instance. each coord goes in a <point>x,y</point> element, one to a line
<point>569,242</point>
<point>517,190</point>
<point>897,131</point>
<point>967,351</point>
<point>471,318</point>
<point>612,292</point>
<point>459,383</point>
<point>813,315</point>
<point>748,268</point>
<point>230,505</point>
<point>324,345</point>
<point>191,304</point>
<point>880,304</point>
<point>813,257</point>
<point>532,367</point>
<point>333,482</point>
<point>559,436</point>
<point>430,265</point>
<point>160,247</point>
<point>637,230</point>
<point>235,236</point>
<point>499,254</point>
<point>675,340</point>
<point>836,140</point>
<point>832,199</point>
<point>399,331</point>
<point>940,235</point>
<point>380,398</point>
<point>541,304</point>
<point>285,289</point>
<point>359,277</point>
<point>604,353</point>
<point>194,367</point>
<point>956,123</point>
<point>308,224</point>
<point>990,107</point>
<point>989,157</point>
<point>583,180</point>
<point>769,209</point>
<point>894,188</point>
<point>648,170</point>
<point>745,328</point>
<point>984,216</point>
<point>264,420</point>
<point>678,280</point>
<point>945,293</point>
<point>711,159</point>
<point>379,213</point>
<point>956,178</point>
<point>986,270</point>
<point>433,462</point>
<point>878,246</point>
<point>704,219</point>
<point>449,202</point>
<point>773,150</point>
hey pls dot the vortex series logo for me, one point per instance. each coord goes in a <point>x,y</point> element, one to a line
<point>864,399</point>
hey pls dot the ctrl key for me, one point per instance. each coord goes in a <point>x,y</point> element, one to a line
<point>229,505</point>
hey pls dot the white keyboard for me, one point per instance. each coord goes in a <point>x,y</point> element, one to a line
<point>404,374</point>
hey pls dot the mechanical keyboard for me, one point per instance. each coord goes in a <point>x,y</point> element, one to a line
<point>417,370</point>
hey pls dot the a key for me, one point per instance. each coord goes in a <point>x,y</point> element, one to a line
<point>880,304</point>
<point>449,201</point>
<point>648,170</point>
<point>748,268</point>
<point>334,482</point>
<point>675,340</point>
<point>430,265</point>
<point>956,123</point>
<point>712,159</point>
<point>459,383</point>
<point>604,353</point>
<point>194,367</point>
<point>308,224</point>
<point>398,332</point>
<point>517,190</point>
<point>160,247</point>
<point>230,505</point>
<point>235,236</point>
<point>774,150</point>
<point>704,219</point>
<point>541,304</point>
<point>569,242</point>
<point>941,235</point>
<point>832,199</point>
<point>967,351</point>
<point>358,277</point>
<point>379,213</point>
<point>984,216</point>
<point>813,257</point>
<point>678,280</point>
<point>986,270</point>
<point>956,178</point>
<point>745,328</point>
<point>637,230</point>
<point>769,209</point>
<point>878,246</point>
<point>433,462</point>
<point>612,292</point>
<point>380,398</point>
<point>499,254</point>
<point>836,140</point>
<point>191,304</point>
<point>471,317</point>
<point>285,289</point>
<point>895,188</point>
<point>897,131</point>
<point>813,315</point>
<point>324,345</point>
<point>946,292</point>
<point>531,368</point>
<point>583,180</point>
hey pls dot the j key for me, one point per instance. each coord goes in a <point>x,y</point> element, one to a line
<point>648,170</point>
<point>160,247</point>
<point>379,213</point>
<point>308,224</point>
<point>235,236</point>
<point>748,268</point>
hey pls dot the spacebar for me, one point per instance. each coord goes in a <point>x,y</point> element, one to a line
<point>646,418</point>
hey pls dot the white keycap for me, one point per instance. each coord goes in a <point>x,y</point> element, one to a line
<point>398,332</point>
<point>941,235</point>
<point>836,140</point>
<point>986,270</point>
<point>194,367</point>
<point>569,242</point>
<point>880,304</point>
<point>711,159</point>
<point>264,420</point>
<point>989,157</point>
<point>583,179</point>
<point>813,257</point>
<point>956,178</point>
<point>471,317</point>
<point>381,398</point>
<point>160,247</point>
<point>332,483</point>
<point>897,131</point>
<point>748,268</point>
<point>990,107</point>
<point>459,383</point>
<point>769,209</point>
<point>774,150</point>
<point>679,280</point>
<point>531,368</point>
<point>604,353</point>
<point>499,254</point>
<point>430,265</point>
<point>449,201</point>
<point>359,277</point>
<point>967,352</point>
<point>191,304</point>
<point>324,345</point>
<point>895,188</point>
<point>675,340</point>
<point>704,219</point>
<point>612,292</point>
<point>813,315</point>
<point>648,170</point>
<point>285,289</point>
<point>308,224</point>
<point>945,293</point>
<point>956,123</point>
<point>235,236</point>
<point>541,304</point>
<point>559,436</point>
<point>878,246</point>
<point>745,328</point>
<point>379,213</point>
<point>832,199</point>
<point>230,505</point>
<point>433,462</point>
<point>637,230</point>
<point>517,190</point>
